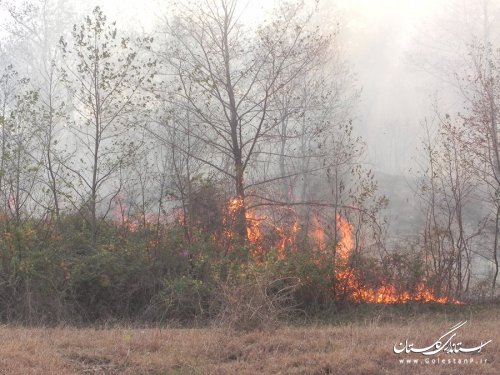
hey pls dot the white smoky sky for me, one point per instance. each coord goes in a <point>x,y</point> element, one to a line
<point>381,35</point>
<point>378,36</point>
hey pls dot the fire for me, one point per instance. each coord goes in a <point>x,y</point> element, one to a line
<point>254,232</point>
<point>234,205</point>
<point>288,239</point>
<point>264,234</point>
<point>319,233</point>
<point>132,222</point>
<point>387,293</point>
<point>259,227</point>
<point>254,226</point>
<point>346,243</point>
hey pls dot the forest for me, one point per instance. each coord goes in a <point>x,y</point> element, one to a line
<point>211,171</point>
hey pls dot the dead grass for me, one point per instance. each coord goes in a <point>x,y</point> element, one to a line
<point>363,347</point>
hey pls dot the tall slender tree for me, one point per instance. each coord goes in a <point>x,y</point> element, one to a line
<point>105,75</point>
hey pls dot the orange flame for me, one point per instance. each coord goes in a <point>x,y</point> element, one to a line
<point>254,232</point>
<point>258,229</point>
<point>132,222</point>
<point>319,234</point>
<point>348,283</point>
<point>346,243</point>
<point>387,293</point>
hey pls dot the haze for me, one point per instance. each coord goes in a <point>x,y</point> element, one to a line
<point>361,134</point>
<point>379,38</point>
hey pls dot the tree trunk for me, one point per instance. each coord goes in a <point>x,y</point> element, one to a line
<point>495,252</point>
<point>241,220</point>
<point>239,167</point>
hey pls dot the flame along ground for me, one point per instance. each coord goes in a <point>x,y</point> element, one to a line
<point>346,276</point>
<point>387,293</point>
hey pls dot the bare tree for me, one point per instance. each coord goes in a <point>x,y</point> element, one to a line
<point>469,64</point>
<point>105,75</point>
<point>227,77</point>
<point>34,30</point>
<point>8,88</point>
<point>479,131</point>
<point>455,216</point>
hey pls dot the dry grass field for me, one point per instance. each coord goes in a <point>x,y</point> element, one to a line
<point>361,346</point>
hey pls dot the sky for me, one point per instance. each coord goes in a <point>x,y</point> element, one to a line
<point>381,36</point>
<point>378,36</point>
